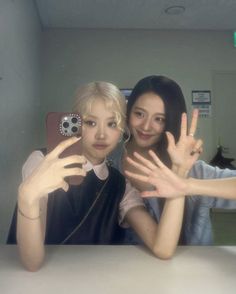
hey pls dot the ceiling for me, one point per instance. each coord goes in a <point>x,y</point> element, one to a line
<point>137,14</point>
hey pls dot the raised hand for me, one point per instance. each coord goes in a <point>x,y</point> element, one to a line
<point>166,183</point>
<point>51,173</point>
<point>186,151</point>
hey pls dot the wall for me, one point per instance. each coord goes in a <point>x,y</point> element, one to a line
<point>73,57</point>
<point>20,33</point>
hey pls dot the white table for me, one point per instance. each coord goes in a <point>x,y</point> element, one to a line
<point>121,269</point>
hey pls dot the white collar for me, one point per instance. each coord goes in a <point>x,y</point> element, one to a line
<point>100,170</point>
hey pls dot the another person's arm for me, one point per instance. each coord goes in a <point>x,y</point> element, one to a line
<point>170,185</point>
<point>162,238</point>
<point>223,188</point>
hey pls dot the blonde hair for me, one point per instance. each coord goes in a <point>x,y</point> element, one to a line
<point>109,93</point>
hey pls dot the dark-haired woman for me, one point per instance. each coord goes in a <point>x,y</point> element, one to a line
<point>155,109</point>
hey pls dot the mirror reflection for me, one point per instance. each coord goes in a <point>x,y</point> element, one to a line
<point>45,56</point>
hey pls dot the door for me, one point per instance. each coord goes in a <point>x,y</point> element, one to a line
<point>224,112</point>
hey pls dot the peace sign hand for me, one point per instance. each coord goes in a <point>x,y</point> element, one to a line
<point>186,151</point>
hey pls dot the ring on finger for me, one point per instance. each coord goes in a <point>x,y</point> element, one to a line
<point>191,135</point>
<point>195,151</point>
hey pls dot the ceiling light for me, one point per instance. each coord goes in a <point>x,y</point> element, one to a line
<point>175,10</point>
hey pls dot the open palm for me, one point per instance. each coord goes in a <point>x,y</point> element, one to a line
<point>165,182</point>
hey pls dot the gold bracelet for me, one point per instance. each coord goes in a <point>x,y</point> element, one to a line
<point>30,218</point>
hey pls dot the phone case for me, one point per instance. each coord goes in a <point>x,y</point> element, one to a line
<point>60,126</point>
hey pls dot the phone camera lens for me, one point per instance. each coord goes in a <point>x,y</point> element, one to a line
<point>74,120</point>
<point>74,129</point>
<point>65,124</point>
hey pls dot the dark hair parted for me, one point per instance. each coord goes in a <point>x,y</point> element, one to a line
<point>174,103</point>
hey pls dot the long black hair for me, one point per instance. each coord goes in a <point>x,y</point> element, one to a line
<point>174,103</point>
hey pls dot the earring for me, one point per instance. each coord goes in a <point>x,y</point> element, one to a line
<point>126,135</point>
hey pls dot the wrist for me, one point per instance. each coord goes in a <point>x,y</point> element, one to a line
<point>180,171</point>
<point>29,193</point>
<point>189,186</point>
<point>28,201</point>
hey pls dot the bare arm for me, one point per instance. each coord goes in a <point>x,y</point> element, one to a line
<point>31,217</point>
<point>30,231</point>
<point>223,188</point>
<point>170,185</point>
<point>163,238</point>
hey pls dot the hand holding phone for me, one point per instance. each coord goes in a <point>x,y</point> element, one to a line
<point>61,126</point>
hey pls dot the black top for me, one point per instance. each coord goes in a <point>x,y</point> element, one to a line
<point>96,215</point>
